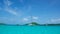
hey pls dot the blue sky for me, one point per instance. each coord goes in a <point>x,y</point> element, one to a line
<point>20,11</point>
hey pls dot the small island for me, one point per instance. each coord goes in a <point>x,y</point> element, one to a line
<point>32,24</point>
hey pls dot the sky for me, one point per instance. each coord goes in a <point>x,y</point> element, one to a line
<point>27,11</point>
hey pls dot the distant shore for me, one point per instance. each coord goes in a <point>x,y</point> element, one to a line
<point>33,25</point>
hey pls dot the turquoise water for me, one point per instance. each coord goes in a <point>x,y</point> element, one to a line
<point>29,29</point>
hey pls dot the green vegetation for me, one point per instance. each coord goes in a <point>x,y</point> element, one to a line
<point>32,24</point>
<point>36,24</point>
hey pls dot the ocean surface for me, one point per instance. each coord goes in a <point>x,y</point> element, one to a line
<point>29,29</point>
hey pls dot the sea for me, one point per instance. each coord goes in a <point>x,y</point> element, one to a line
<point>8,29</point>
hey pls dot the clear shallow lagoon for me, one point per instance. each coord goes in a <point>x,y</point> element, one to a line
<point>29,29</point>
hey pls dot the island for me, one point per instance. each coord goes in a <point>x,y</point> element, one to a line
<point>32,24</point>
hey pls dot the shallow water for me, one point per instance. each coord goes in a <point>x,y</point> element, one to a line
<point>29,29</point>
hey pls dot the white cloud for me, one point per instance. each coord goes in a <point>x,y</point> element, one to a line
<point>8,8</point>
<point>8,3</point>
<point>55,20</point>
<point>34,17</point>
<point>11,11</point>
<point>25,19</point>
<point>29,18</point>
